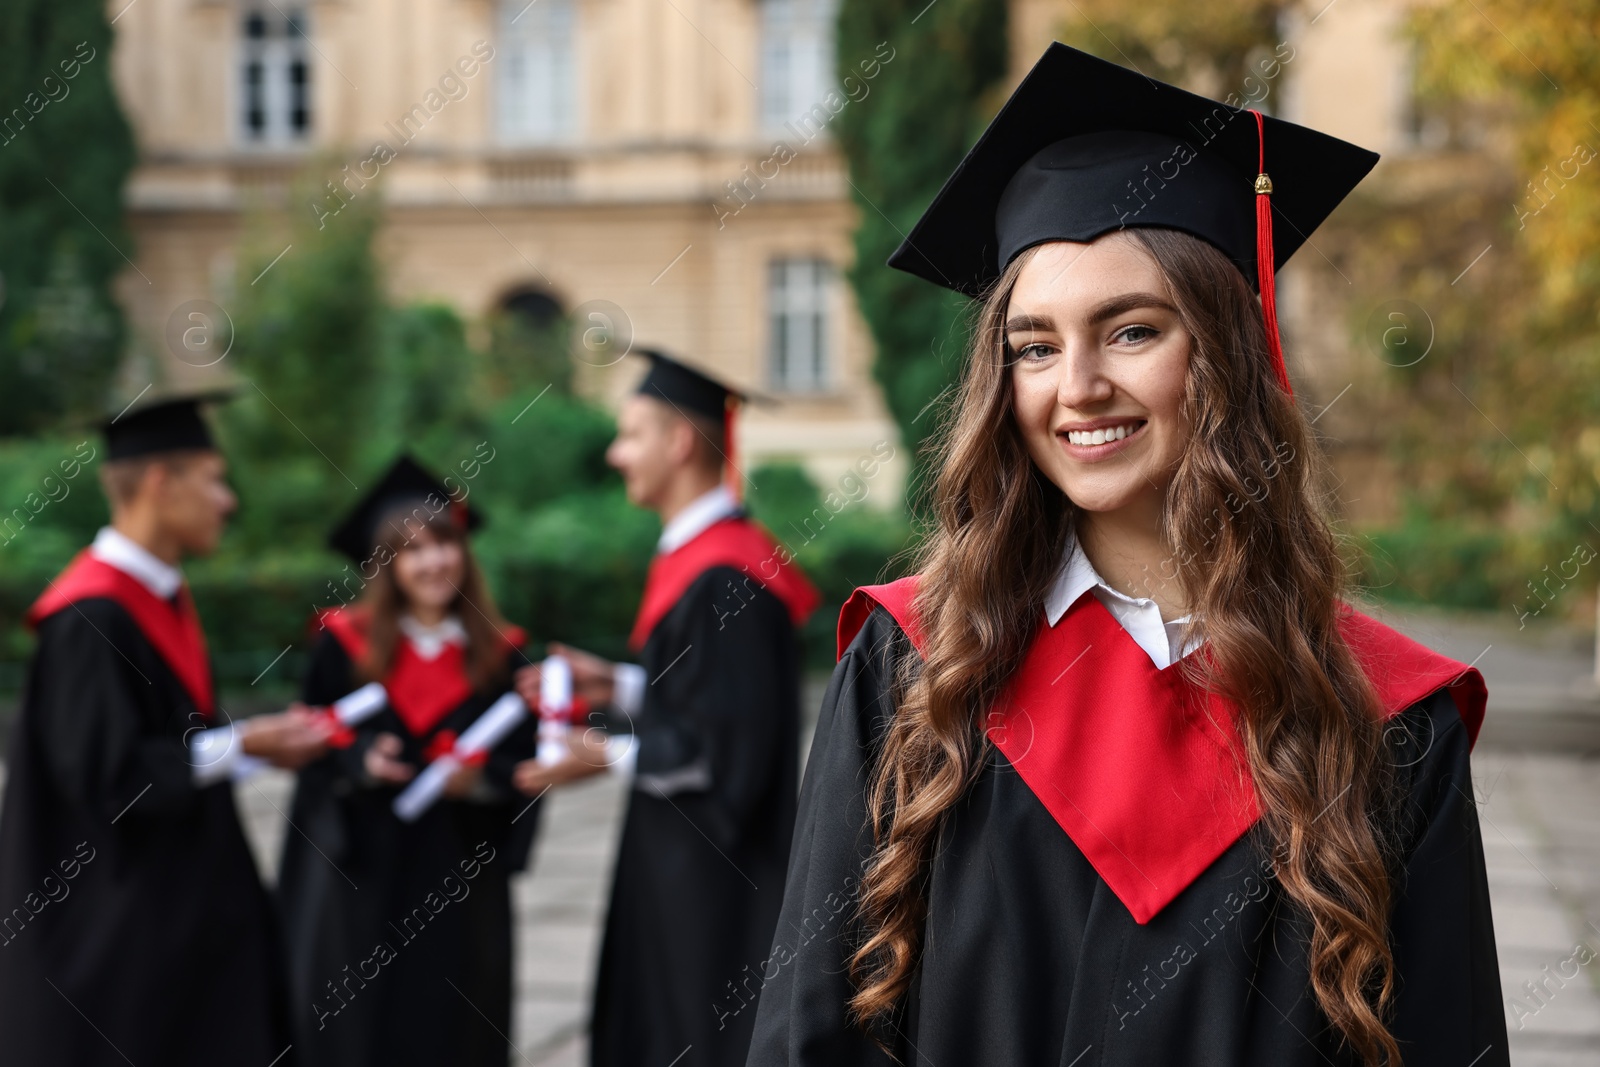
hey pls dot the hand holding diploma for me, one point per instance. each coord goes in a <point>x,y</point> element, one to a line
<point>551,685</point>
<point>470,749</point>
<point>593,679</point>
<point>290,739</point>
<point>585,755</point>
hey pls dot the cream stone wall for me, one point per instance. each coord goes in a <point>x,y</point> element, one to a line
<point>635,210</point>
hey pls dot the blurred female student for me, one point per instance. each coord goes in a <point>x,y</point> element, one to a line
<point>399,933</point>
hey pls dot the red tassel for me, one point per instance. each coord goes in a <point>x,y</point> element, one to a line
<point>1264,258</point>
<point>731,473</point>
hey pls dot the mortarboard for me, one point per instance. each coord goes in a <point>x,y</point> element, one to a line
<point>406,484</point>
<point>1085,147</point>
<point>163,423</point>
<point>691,390</point>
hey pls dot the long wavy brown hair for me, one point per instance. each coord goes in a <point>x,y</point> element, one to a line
<point>1257,559</point>
<point>383,602</point>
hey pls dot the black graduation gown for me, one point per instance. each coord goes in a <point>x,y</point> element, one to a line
<point>1029,958</point>
<point>699,873</point>
<point>400,934</point>
<point>152,940</point>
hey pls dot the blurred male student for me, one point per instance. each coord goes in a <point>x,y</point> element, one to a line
<point>133,925</point>
<point>706,726</point>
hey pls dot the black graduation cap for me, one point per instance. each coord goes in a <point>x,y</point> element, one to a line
<point>1084,147</point>
<point>163,423</point>
<point>689,389</point>
<point>685,387</point>
<point>405,486</point>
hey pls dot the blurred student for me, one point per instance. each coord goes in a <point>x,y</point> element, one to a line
<point>135,927</point>
<point>707,728</point>
<point>400,933</point>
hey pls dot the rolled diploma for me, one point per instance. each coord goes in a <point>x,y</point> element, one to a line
<point>488,730</point>
<point>361,705</point>
<point>350,709</point>
<point>555,700</point>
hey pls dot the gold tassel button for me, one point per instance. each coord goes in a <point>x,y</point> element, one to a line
<point>1263,184</point>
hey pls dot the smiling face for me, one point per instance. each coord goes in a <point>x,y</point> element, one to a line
<point>1099,366</point>
<point>429,570</point>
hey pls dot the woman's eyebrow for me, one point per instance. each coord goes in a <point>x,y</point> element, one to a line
<point>1030,324</point>
<point>1118,305</point>
<point>1107,309</point>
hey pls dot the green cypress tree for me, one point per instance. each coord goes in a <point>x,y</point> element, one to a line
<point>65,153</point>
<point>941,66</point>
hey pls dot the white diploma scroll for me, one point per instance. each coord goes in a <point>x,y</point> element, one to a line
<point>555,705</point>
<point>349,710</point>
<point>489,730</point>
<point>361,705</point>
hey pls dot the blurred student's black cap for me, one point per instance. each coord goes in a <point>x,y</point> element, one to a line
<point>688,388</point>
<point>163,422</point>
<point>405,486</point>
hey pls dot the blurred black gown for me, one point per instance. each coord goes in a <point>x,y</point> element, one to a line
<point>135,926</point>
<point>400,935</point>
<point>699,873</point>
<point>1029,957</point>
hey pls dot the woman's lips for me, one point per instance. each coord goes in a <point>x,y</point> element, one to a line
<point>1131,429</point>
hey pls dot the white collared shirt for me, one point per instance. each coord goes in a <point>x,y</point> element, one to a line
<point>699,513</point>
<point>429,641</point>
<point>214,754</point>
<point>623,754</point>
<point>1161,640</point>
<point>116,548</point>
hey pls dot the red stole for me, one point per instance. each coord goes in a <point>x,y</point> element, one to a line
<point>422,692</point>
<point>174,632</point>
<point>1144,770</point>
<point>731,542</point>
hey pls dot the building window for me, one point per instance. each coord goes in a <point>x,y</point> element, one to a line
<point>275,78</point>
<point>538,99</point>
<point>796,58</point>
<point>799,296</point>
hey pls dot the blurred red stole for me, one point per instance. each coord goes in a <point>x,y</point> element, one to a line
<point>421,691</point>
<point>174,632</point>
<point>731,542</point>
<point>1144,770</point>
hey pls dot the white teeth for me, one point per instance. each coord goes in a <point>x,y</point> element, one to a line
<point>1101,436</point>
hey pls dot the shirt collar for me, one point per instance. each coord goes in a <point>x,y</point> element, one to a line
<point>701,512</point>
<point>1077,577</point>
<point>429,641</point>
<point>113,547</point>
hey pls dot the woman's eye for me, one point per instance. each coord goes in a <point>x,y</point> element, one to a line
<point>1037,350</point>
<point>1134,334</point>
